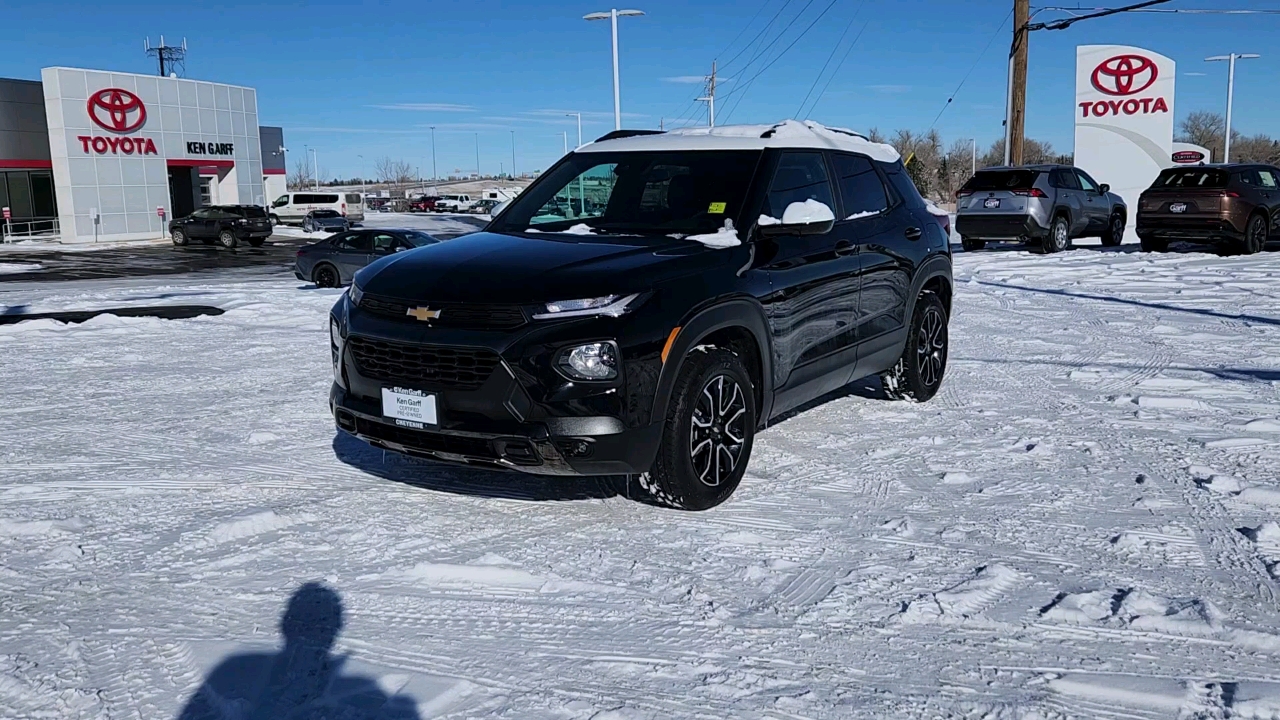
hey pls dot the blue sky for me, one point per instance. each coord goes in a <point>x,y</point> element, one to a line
<point>367,79</point>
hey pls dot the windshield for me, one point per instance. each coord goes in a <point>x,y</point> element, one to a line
<point>418,239</point>
<point>636,193</point>
<point>1002,180</point>
<point>324,214</point>
<point>1191,178</point>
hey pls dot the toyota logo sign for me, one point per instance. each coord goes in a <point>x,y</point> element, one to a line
<point>1125,75</point>
<point>117,110</point>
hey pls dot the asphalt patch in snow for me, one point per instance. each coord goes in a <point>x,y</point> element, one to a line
<point>163,312</point>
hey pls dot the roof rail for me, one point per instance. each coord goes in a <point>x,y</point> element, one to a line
<point>616,134</point>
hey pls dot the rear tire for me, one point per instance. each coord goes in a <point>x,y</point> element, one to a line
<point>707,435</point>
<point>275,220</point>
<point>1153,244</point>
<point>1115,231</point>
<point>919,372</point>
<point>1255,235</point>
<point>971,244</point>
<point>326,276</point>
<point>179,238</point>
<point>1059,237</point>
<point>227,239</point>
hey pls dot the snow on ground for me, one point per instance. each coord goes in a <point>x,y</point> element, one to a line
<point>1084,523</point>
<point>10,268</point>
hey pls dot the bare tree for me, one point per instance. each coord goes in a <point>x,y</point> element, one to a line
<point>1033,152</point>
<point>1254,149</point>
<point>955,169</point>
<point>1206,129</point>
<point>922,154</point>
<point>301,177</point>
<point>393,171</point>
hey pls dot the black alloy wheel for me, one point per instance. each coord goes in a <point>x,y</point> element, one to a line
<point>716,433</point>
<point>1115,231</point>
<point>325,276</point>
<point>919,372</point>
<point>1255,235</point>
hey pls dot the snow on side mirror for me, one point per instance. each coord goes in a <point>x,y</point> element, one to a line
<point>800,218</point>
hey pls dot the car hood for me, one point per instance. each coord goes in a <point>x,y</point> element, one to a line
<point>489,267</point>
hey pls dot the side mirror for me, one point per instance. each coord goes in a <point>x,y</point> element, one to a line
<point>800,218</point>
<point>1103,189</point>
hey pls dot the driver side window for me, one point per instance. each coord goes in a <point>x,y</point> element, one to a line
<point>353,242</point>
<point>800,176</point>
<point>281,201</point>
<point>1086,182</point>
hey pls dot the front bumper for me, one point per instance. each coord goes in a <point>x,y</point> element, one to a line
<point>553,446</point>
<point>991,226</point>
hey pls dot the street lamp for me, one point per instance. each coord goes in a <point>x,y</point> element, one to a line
<point>565,134</point>
<point>316,165</point>
<point>579,116</point>
<point>1231,90</point>
<point>362,190</point>
<point>434,177</point>
<point>613,16</point>
<point>513,154</point>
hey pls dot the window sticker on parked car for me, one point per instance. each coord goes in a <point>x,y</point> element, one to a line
<point>716,208</point>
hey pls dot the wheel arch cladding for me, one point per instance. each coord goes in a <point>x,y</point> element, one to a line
<point>737,325</point>
<point>934,275</point>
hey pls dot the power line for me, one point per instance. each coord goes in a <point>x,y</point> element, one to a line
<point>778,57</point>
<point>750,22</point>
<point>836,72</point>
<point>1102,12</point>
<point>971,69</point>
<point>763,30</point>
<point>764,49</point>
<point>817,78</point>
<point>1167,11</point>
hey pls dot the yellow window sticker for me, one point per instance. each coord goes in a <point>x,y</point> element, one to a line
<point>716,208</point>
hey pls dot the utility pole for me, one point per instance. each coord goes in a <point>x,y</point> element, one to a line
<point>513,154</point>
<point>1016,114</point>
<point>710,99</point>
<point>169,55</point>
<point>974,169</point>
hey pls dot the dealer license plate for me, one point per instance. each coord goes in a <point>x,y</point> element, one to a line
<point>1178,208</point>
<point>410,408</point>
<point>991,203</point>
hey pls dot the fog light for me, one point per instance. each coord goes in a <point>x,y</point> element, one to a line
<point>593,361</point>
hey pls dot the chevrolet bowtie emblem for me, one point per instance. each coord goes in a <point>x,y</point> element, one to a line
<point>424,314</point>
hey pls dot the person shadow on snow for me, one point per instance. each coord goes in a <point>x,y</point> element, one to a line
<point>301,682</point>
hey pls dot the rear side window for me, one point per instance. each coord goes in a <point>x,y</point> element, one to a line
<point>799,177</point>
<point>1064,179</point>
<point>355,242</point>
<point>353,199</point>
<point>901,182</point>
<point>251,211</point>
<point>1268,178</point>
<point>860,187</point>
<point>1002,180</point>
<point>1191,178</point>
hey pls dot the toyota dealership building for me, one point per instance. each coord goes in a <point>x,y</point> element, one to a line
<point>96,156</point>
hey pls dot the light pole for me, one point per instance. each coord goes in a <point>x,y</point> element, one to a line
<point>973,170</point>
<point>435,178</point>
<point>613,16</point>
<point>1231,91</point>
<point>579,116</point>
<point>513,154</point>
<point>477,156</point>
<point>581,193</point>
<point>315,163</point>
<point>565,134</point>
<point>362,190</point>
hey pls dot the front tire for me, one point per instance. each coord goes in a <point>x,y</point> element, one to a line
<point>326,276</point>
<point>972,244</point>
<point>920,370</point>
<point>1115,231</point>
<point>227,239</point>
<point>708,433</point>
<point>179,238</point>
<point>1153,244</point>
<point>1059,237</point>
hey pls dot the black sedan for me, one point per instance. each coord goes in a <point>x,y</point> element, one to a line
<point>325,221</point>
<point>228,224</point>
<point>332,262</point>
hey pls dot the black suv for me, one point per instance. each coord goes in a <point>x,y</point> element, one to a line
<point>228,224</point>
<point>718,280</point>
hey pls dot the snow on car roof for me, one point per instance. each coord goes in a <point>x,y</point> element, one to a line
<point>786,134</point>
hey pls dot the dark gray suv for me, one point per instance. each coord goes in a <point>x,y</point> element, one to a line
<point>1048,205</point>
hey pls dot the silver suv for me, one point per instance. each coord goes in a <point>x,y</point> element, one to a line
<point>1049,205</point>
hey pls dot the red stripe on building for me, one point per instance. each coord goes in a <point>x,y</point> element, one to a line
<point>26,164</point>
<point>273,171</point>
<point>202,163</point>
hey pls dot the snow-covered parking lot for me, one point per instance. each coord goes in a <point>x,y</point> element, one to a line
<point>1082,524</point>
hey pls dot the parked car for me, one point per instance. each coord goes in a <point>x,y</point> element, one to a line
<point>485,206</point>
<point>729,276</point>
<point>454,203</point>
<point>1237,206</point>
<point>1049,205</point>
<point>333,261</point>
<point>228,224</point>
<point>423,203</point>
<point>292,207</point>
<point>325,221</point>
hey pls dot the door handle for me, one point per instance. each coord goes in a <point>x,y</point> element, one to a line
<point>913,233</point>
<point>844,247</point>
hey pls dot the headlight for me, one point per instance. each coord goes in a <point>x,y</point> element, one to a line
<point>355,294</point>
<point>610,305</point>
<point>593,361</point>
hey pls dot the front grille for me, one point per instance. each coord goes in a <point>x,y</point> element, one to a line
<point>454,315</point>
<point>427,441</point>
<point>460,368</point>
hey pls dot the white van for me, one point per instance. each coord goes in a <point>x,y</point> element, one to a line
<point>292,208</point>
